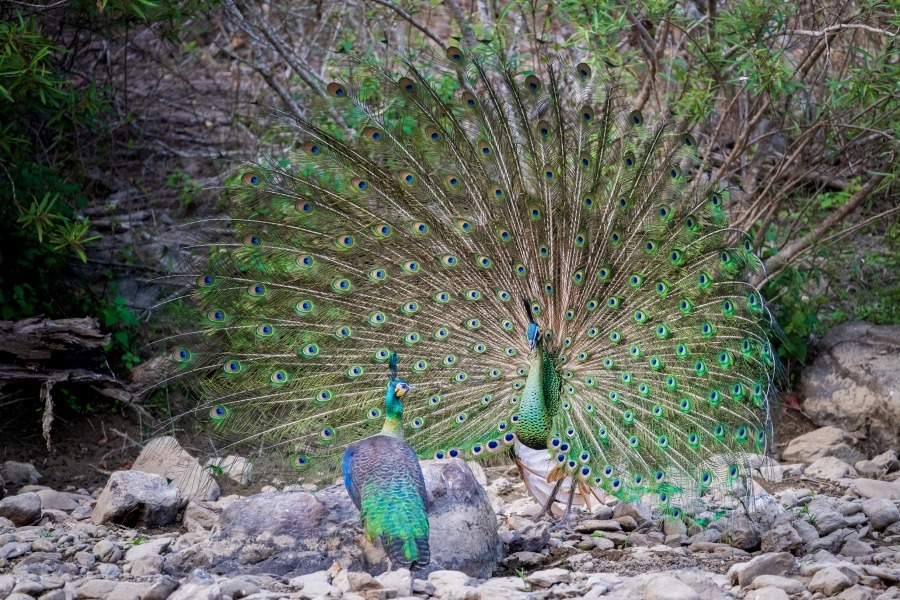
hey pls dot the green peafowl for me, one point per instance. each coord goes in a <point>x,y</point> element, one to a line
<point>385,482</point>
<point>559,272</point>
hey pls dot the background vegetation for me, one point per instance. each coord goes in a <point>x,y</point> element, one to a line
<point>119,119</point>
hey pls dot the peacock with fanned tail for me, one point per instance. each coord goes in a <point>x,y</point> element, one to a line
<point>385,482</point>
<point>558,273</point>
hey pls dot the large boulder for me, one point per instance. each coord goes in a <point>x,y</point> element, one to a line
<point>854,382</point>
<point>137,499</point>
<point>165,457</point>
<point>827,441</point>
<point>297,533</point>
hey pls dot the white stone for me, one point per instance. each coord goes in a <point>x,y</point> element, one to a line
<point>767,593</point>
<point>831,468</point>
<point>549,577</point>
<point>666,587</point>
<point>790,586</point>
<point>830,581</point>
<point>165,457</point>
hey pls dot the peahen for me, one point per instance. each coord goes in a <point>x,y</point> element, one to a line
<point>555,267</point>
<point>385,482</point>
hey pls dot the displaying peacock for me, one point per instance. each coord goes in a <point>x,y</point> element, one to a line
<point>385,482</point>
<point>555,269</point>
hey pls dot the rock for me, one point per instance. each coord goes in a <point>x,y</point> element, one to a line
<point>137,499</point>
<point>666,587</point>
<point>19,473</point>
<point>867,468</point>
<point>549,577</point>
<point>198,585</point>
<point>854,382</point>
<point>22,510</point>
<point>827,441</point>
<point>96,588</point>
<point>888,461</point>
<point>107,552</point>
<point>857,592</point>
<point>776,563</point>
<point>294,533</point>
<point>238,588</point>
<point>780,539</point>
<point>853,547</point>
<point>592,525</point>
<point>805,530</point>
<point>872,488</point>
<point>236,468</point>
<point>830,467</point>
<point>147,548</point>
<point>399,580</point>
<point>165,457</point>
<point>786,584</point>
<point>108,571</point>
<point>151,564</point>
<point>7,583</point>
<point>532,538</point>
<point>881,513</point>
<point>830,581</point>
<point>767,593</point>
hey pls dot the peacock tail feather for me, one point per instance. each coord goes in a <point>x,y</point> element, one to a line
<point>427,227</point>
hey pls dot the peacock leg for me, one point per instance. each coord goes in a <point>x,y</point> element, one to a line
<point>547,511</point>
<point>564,522</point>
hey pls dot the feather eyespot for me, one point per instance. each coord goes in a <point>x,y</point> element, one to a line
<point>454,54</point>
<point>407,85</point>
<point>543,129</point>
<point>337,90</point>
<point>251,179</point>
<point>587,114</point>
<point>433,134</point>
<point>484,148</point>
<point>312,148</point>
<point>583,70</point>
<point>373,134</point>
<point>532,83</point>
<point>636,118</point>
<point>407,177</point>
<point>469,99</point>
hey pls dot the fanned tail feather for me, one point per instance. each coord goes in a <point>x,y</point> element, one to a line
<point>426,229</point>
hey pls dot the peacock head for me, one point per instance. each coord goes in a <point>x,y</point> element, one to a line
<point>401,387</point>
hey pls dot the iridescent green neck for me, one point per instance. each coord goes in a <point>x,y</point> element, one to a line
<point>540,399</point>
<point>393,422</point>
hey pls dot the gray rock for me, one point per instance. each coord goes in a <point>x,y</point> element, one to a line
<point>854,382</point>
<point>766,593</point>
<point>237,468</point>
<point>872,488</point>
<point>109,571</point>
<point>160,588</point>
<point>137,499</point>
<point>296,533</point>
<point>788,585</point>
<point>867,468</point>
<point>781,538</point>
<point>549,577</point>
<point>805,530</point>
<point>165,457</point>
<point>238,588</point>
<point>23,509</point>
<point>830,542</point>
<point>827,441</point>
<point>53,595</point>
<point>147,548</point>
<point>18,473</point>
<point>830,581</point>
<point>831,468</point>
<point>881,513</point>
<point>19,596</point>
<point>12,550</point>
<point>857,592</point>
<point>53,500</point>
<point>853,547</point>
<point>666,587</point>
<point>399,580</point>
<point>532,538</point>
<point>888,461</point>
<point>107,551</point>
<point>85,559</point>
<point>150,564</point>
<point>7,583</point>
<point>198,585</point>
<point>777,563</point>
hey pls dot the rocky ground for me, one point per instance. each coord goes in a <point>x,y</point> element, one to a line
<point>822,522</point>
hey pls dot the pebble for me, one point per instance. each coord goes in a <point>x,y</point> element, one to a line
<point>850,549</point>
